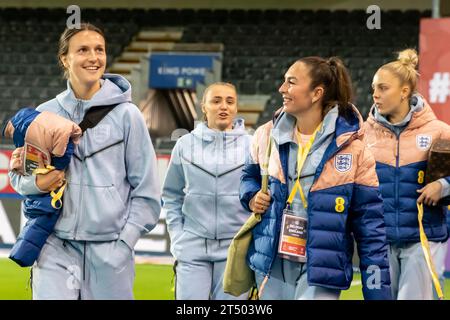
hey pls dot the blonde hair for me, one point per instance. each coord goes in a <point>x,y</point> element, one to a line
<point>404,68</point>
<point>227,84</point>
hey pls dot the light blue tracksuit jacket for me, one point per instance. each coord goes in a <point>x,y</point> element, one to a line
<point>203,211</point>
<point>113,187</point>
<point>201,189</point>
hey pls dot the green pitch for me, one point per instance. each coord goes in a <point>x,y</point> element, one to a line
<point>153,282</point>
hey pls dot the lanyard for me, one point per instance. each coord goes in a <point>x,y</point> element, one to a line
<point>56,196</point>
<point>427,254</point>
<point>301,158</point>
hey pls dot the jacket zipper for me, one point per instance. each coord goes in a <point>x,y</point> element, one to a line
<point>308,225</point>
<point>80,198</point>
<point>84,261</point>
<point>397,162</point>
<point>215,192</point>
<point>80,212</point>
<point>267,275</point>
<point>221,156</point>
<point>285,195</point>
<point>215,205</point>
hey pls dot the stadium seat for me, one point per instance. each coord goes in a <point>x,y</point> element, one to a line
<point>259,44</point>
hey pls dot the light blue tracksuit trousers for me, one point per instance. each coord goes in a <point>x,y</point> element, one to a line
<point>72,270</point>
<point>200,268</point>
<point>410,277</point>
<point>288,281</point>
<point>439,261</point>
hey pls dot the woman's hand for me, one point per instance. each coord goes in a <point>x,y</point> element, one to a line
<point>16,163</point>
<point>260,202</point>
<point>430,194</point>
<point>50,181</point>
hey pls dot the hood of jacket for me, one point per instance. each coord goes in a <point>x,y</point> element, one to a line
<point>203,132</point>
<point>332,123</point>
<point>419,114</point>
<point>115,89</point>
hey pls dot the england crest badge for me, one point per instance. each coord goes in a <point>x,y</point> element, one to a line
<point>101,133</point>
<point>423,141</point>
<point>343,162</point>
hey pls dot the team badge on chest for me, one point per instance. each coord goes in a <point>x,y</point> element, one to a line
<point>101,133</point>
<point>343,162</point>
<point>423,142</point>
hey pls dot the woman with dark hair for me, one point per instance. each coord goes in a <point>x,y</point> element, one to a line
<point>323,192</point>
<point>112,195</point>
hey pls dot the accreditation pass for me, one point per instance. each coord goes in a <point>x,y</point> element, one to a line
<point>292,244</point>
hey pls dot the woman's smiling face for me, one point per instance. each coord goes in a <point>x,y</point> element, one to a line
<point>85,60</point>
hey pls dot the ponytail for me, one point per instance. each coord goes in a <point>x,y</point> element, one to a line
<point>336,81</point>
<point>341,85</point>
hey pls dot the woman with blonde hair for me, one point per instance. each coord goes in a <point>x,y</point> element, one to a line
<point>201,195</point>
<point>399,131</point>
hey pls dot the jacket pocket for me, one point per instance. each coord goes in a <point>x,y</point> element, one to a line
<point>231,215</point>
<point>180,244</point>
<point>188,247</point>
<point>104,211</point>
<point>199,214</point>
<point>113,254</point>
<point>71,208</point>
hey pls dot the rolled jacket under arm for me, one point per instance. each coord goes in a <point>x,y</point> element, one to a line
<point>112,187</point>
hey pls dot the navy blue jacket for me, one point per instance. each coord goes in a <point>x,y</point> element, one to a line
<point>331,232</point>
<point>401,163</point>
<point>42,217</point>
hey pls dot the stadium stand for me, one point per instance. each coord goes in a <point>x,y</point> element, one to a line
<point>258,45</point>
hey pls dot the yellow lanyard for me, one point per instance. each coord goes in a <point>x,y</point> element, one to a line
<point>301,158</point>
<point>427,254</point>
<point>56,196</point>
<point>45,170</point>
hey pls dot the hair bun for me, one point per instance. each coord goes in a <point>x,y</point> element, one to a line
<point>408,57</point>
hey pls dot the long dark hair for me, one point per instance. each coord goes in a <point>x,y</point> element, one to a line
<point>334,77</point>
